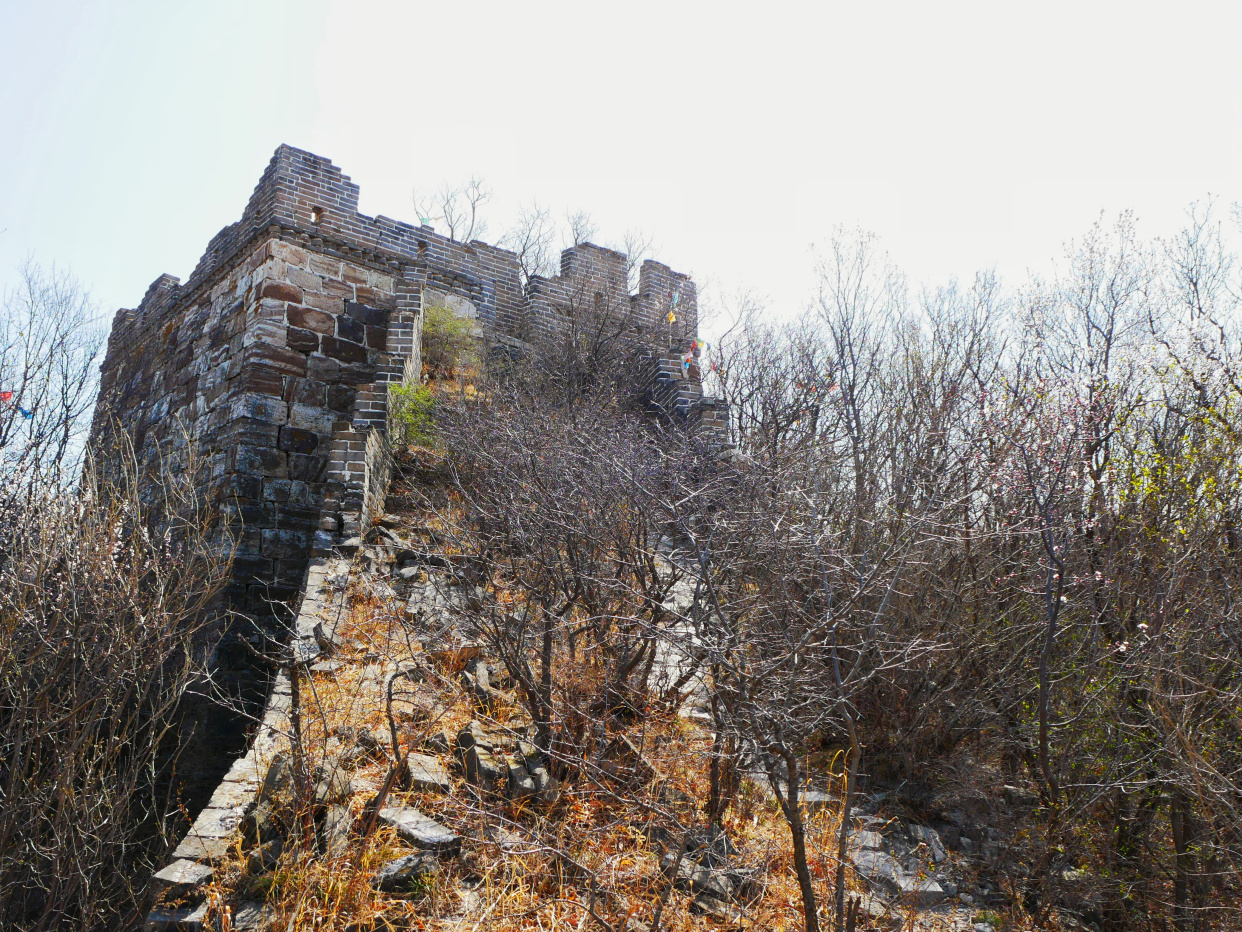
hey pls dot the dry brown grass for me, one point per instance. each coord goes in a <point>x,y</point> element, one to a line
<point>586,854</point>
<point>593,830</point>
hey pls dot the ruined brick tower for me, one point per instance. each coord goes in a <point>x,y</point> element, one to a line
<point>274,358</point>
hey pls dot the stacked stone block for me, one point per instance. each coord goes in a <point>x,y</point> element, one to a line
<point>273,360</point>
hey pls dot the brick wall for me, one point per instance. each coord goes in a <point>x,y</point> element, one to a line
<point>274,358</point>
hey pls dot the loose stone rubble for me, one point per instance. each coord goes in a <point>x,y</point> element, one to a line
<point>905,865</point>
<point>254,807</point>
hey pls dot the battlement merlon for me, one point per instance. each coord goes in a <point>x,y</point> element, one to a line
<point>306,198</point>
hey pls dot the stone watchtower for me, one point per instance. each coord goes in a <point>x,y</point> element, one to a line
<point>273,360</point>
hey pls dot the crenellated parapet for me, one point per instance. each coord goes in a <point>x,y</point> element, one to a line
<point>273,359</point>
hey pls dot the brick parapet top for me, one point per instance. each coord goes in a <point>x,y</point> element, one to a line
<point>303,197</point>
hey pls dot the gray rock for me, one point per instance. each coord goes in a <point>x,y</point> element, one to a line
<point>252,917</point>
<point>499,677</point>
<point>245,770</point>
<point>265,823</point>
<point>331,783</point>
<point>278,782</point>
<point>1017,796</point>
<point>476,681</point>
<point>873,906</point>
<point>867,841</point>
<point>334,834</point>
<point>878,868</point>
<point>277,798</point>
<point>816,800</point>
<point>439,742</point>
<point>231,795</point>
<point>264,857</point>
<point>197,848</point>
<point>927,836</point>
<point>484,770</point>
<point>696,879</point>
<point>305,651</point>
<point>473,735</point>
<point>476,749</point>
<point>533,760</point>
<point>370,745</point>
<point>545,785</point>
<point>427,773</point>
<point>181,878</point>
<point>529,754</point>
<point>400,875</point>
<point>922,893</point>
<point>329,641</point>
<point>217,823</point>
<point>420,831</point>
<point>521,784</point>
<point>477,671</point>
<point>176,920</point>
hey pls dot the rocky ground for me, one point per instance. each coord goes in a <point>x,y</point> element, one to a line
<point>464,825</point>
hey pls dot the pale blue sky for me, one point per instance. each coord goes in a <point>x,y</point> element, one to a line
<point>965,134</point>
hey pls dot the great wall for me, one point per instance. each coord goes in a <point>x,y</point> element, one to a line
<point>274,358</point>
<point>270,367</point>
<point>267,377</point>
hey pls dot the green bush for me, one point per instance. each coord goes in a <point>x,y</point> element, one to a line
<point>448,342</point>
<point>409,413</point>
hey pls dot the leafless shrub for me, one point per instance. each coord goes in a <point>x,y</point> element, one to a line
<point>104,583</point>
<point>101,597</point>
<point>984,523</point>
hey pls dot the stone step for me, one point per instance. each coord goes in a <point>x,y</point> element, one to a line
<point>427,773</point>
<point>420,831</point>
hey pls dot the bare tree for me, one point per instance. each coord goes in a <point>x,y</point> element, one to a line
<point>49,348</point>
<point>580,228</point>
<point>531,238</point>
<point>99,613</point>
<point>458,207</point>
<point>105,583</point>
<point>982,530</point>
